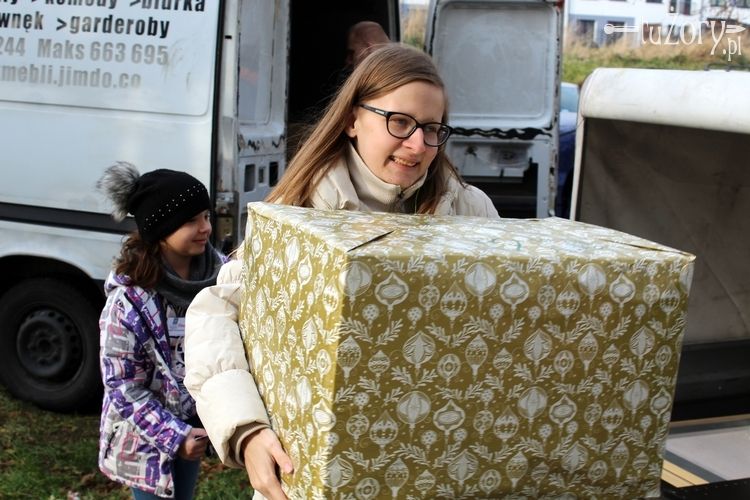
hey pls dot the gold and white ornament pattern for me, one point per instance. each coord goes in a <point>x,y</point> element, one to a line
<point>438,357</point>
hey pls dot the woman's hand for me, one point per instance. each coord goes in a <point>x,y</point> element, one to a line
<point>262,451</point>
<point>194,445</point>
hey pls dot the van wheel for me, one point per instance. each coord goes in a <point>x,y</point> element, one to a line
<point>49,345</point>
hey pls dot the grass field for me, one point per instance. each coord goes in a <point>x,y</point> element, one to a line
<point>50,456</point>
<point>580,60</point>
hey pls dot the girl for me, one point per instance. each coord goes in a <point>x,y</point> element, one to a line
<point>378,147</point>
<point>149,439</point>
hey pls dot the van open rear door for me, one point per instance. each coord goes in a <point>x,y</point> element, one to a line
<point>501,64</point>
<point>275,79</point>
<point>251,112</point>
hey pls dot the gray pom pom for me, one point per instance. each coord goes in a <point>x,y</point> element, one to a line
<point>118,183</point>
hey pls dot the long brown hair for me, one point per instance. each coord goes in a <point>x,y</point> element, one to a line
<point>140,261</point>
<point>386,69</point>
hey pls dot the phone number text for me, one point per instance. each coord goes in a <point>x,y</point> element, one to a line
<point>136,53</point>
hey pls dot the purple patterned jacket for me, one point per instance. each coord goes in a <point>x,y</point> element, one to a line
<point>144,408</point>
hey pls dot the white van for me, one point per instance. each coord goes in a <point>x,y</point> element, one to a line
<point>209,87</point>
<point>663,154</point>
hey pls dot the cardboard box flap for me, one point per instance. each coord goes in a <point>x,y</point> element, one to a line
<point>344,233</point>
<point>610,236</point>
<point>362,232</point>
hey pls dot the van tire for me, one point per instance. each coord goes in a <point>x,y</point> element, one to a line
<point>49,345</point>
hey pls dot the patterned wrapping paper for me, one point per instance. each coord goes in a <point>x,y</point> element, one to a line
<point>405,356</point>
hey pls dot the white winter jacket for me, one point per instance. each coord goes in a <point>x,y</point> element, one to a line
<point>218,375</point>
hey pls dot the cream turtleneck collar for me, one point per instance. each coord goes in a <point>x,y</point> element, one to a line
<point>377,194</point>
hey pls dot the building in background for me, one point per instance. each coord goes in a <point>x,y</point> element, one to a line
<point>736,10</point>
<point>603,22</point>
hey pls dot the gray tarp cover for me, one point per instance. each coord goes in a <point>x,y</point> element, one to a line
<point>685,188</point>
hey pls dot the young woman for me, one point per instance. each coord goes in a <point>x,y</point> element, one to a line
<point>148,435</point>
<point>378,147</point>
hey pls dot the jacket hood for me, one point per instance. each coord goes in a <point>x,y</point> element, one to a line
<point>115,281</point>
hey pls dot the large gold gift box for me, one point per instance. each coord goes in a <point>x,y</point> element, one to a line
<point>404,356</point>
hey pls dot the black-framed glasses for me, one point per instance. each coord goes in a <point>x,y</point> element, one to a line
<point>402,126</point>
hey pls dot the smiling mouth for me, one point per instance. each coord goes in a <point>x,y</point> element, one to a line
<point>401,162</point>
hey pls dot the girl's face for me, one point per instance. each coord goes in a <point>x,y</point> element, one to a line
<point>401,162</point>
<point>189,239</point>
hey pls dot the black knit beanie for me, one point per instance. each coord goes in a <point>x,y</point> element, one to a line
<point>161,200</point>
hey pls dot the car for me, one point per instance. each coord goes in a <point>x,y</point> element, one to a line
<point>566,147</point>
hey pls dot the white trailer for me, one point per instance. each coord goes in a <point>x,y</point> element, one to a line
<point>663,154</point>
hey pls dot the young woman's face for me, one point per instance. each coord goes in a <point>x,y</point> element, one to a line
<point>190,239</point>
<point>397,161</point>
